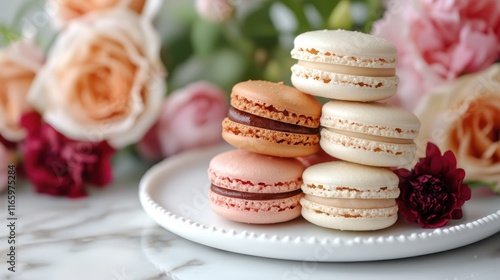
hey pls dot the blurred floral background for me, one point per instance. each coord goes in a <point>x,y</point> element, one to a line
<point>223,42</point>
<point>82,81</point>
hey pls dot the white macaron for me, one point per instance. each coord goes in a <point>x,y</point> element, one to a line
<point>348,196</point>
<point>344,65</point>
<point>370,133</point>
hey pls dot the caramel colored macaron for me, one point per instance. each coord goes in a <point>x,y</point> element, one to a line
<point>272,119</point>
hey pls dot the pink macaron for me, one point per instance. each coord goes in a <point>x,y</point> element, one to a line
<point>253,188</point>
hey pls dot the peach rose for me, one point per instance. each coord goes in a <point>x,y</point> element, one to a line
<point>464,117</point>
<point>19,63</point>
<point>65,11</point>
<point>103,79</point>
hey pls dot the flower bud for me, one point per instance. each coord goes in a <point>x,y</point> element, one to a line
<point>215,10</point>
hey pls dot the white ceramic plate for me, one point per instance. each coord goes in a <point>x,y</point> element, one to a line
<point>174,194</point>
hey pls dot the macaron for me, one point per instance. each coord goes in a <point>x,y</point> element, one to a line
<point>253,188</point>
<point>272,119</point>
<point>370,133</point>
<point>348,196</point>
<point>344,65</point>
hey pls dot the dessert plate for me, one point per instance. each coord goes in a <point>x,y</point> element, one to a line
<point>174,194</point>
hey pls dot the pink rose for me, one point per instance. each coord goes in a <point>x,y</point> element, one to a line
<point>19,63</point>
<point>191,117</point>
<point>438,41</point>
<point>6,158</point>
<point>103,79</point>
<point>65,11</point>
<point>60,166</point>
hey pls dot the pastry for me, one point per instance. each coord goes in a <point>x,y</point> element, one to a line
<point>345,65</point>
<point>370,133</point>
<point>348,196</point>
<point>254,188</point>
<point>272,119</point>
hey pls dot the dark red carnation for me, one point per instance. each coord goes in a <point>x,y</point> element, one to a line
<point>60,166</point>
<point>433,192</point>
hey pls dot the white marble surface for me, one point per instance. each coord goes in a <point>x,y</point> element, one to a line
<point>109,236</point>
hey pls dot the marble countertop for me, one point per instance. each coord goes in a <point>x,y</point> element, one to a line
<point>109,236</point>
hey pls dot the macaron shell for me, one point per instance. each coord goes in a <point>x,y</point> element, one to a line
<point>269,142</point>
<point>340,179</point>
<point>276,101</point>
<point>260,173</point>
<point>341,86</point>
<point>366,151</point>
<point>344,48</point>
<point>348,219</point>
<point>374,118</point>
<point>256,211</point>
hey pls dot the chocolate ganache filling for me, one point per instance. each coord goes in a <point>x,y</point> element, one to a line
<point>241,117</point>
<point>252,196</point>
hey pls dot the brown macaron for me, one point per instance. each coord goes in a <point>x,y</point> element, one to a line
<point>272,119</point>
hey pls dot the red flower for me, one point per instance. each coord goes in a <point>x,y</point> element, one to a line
<point>7,144</point>
<point>433,192</point>
<point>61,166</point>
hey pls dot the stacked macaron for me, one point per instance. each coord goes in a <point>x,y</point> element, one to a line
<point>270,124</point>
<point>356,71</point>
<point>272,119</point>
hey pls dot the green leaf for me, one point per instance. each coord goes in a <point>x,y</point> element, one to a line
<point>12,33</point>
<point>278,67</point>
<point>297,7</point>
<point>8,35</point>
<point>259,27</point>
<point>325,7</point>
<point>376,11</point>
<point>478,184</point>
<point>205,36</point>
<point>176,50</point>
<point>225,67</point>
<point>341,17</point>
<point>374,5</point>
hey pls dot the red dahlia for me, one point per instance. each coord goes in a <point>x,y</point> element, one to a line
<point>433,192</point>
